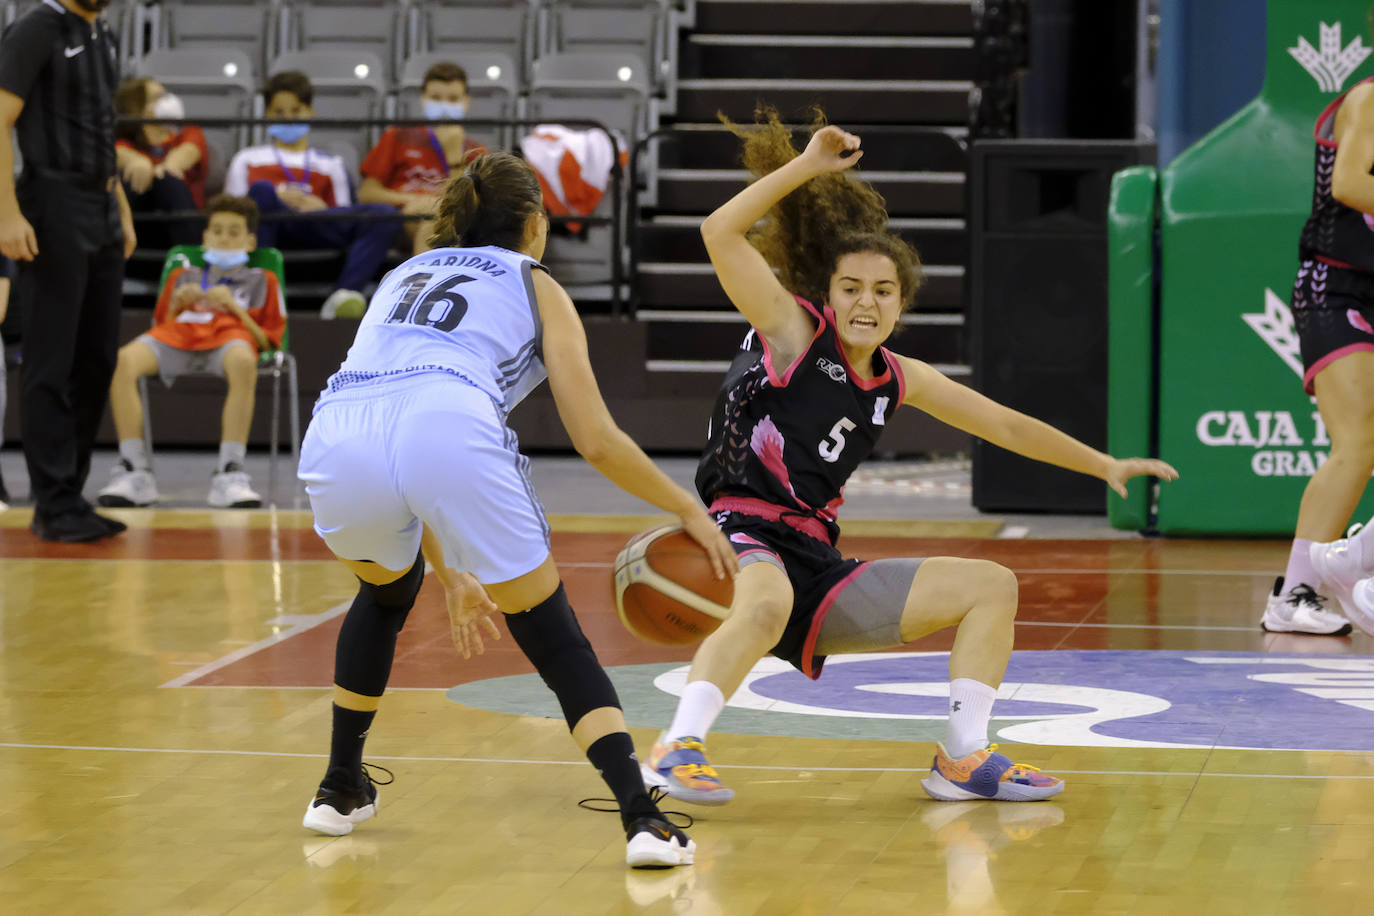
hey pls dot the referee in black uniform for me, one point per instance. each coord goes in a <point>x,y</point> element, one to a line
<point>68,225</point>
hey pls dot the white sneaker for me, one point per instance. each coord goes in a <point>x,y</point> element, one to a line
<point>1300,610</point>
<point>1361,607</point>
<point>128,487</point>
<point>344,303</point>
<point>229,489</point>
<point>1338,569</point>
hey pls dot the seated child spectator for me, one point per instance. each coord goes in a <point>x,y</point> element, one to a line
<point>163,168</point>
<point>409,165</point>
<point>287,175</point>
<point>214,319</point>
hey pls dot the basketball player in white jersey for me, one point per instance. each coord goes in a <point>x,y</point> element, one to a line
<point>408,457</point>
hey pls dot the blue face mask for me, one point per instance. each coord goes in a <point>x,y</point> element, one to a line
<point>436,110</point>
<point>226,258</point>
<point>287,133</point>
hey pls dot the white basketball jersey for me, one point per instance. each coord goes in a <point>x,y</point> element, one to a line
<point>471,311</point>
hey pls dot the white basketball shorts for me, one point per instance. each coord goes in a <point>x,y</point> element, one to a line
<point>381,458</point>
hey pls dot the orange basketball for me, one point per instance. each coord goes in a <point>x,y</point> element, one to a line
<point>666,591</point>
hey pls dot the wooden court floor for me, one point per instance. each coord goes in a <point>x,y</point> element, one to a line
<point>164,711</point>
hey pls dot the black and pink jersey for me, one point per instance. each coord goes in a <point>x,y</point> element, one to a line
<point>784,440</point>
<point>1334,233</point>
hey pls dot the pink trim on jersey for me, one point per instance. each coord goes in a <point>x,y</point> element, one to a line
<point>781,381</point>
<point>865,384</point>
<point>809,649</point>
<point>759,508</point>
<point>739,537</point>
<point>1310,376</point>
<point>1329,112</point>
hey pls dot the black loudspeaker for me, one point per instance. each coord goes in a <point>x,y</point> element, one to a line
<point>1038,306</point>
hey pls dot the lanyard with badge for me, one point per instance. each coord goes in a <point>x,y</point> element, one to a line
<point>439,151</point>
<point>291,182</point>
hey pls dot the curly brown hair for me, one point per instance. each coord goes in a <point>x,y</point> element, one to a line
<point>488,203</point>
<point>835,214</point>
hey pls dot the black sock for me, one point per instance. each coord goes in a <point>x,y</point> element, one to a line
<point>362,663</point>
<point>346,744</point>
<point>614,758</point>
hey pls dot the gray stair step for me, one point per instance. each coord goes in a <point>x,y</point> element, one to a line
<point>826,57</point>
<point>667,285</point>
<point>855,101</point>
<point>907,193</point>
<point>852,17</point>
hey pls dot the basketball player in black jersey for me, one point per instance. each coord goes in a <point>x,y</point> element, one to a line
<point>1333,309</point>
<point>803,405</point>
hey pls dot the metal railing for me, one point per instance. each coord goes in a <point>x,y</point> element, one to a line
<point>615,188</point>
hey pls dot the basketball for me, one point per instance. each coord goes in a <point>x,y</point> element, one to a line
<point>666,591</point>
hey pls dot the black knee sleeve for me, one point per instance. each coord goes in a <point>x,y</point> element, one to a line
<point>549,636</point>
<point>367,639</point>
<point>400,594</point>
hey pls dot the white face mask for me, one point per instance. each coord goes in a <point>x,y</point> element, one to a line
<point>436,110</point>
<point>226,258</point>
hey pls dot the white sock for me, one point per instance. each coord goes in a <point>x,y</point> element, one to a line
<point>1300,571</point>
<point>134,451</point>
<point>970,708</point>
<point>697,709</point>
<point>232,452</point>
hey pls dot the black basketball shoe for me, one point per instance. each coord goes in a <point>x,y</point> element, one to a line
<point>343,800</point>
<point>655,843</point>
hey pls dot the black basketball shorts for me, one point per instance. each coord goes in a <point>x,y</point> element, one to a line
<point>839,605</point>
<point>1333,311</point>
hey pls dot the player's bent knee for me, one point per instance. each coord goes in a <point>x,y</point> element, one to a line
<point>552,640</point>
<point>767,616</point>
<point>997,586</point>
<point>398,595</point>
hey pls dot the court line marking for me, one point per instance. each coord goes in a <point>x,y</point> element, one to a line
<point>296,629</point>
<point>1190,774</point>
<point>1136,571</point>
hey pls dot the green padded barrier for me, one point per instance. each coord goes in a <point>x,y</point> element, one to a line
<point>1130,331</point>
<point>261,258</point>
<point>1233,417</point>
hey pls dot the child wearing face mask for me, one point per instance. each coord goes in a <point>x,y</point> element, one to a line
<point>409,165</point>
<point>287,174</point>
<point>163,168</point>
<point>214,319</point>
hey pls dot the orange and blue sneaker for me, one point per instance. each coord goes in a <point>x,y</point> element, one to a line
<point>679,768</point>
<point>989,775</point>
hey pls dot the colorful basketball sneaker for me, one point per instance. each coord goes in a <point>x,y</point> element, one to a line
<point>652,842</point>
<point>679,768</point>
<point>986,774</point>
<point>1301,610</point>
<point>341,802</point>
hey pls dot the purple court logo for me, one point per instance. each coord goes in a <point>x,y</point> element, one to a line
<point>1085,699</point>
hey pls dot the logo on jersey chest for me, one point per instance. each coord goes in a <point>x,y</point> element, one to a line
<point>834,370</point>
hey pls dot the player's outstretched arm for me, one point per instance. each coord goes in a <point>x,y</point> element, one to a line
<point>744,274</point>
<point>594,432</point>
<point>966,409</point>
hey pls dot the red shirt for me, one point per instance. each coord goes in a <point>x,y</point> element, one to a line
<point>203,327</point>
<point>408,159</point>
<point>195,175</point>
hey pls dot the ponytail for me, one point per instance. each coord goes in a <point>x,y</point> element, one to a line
<point>488,203</point>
